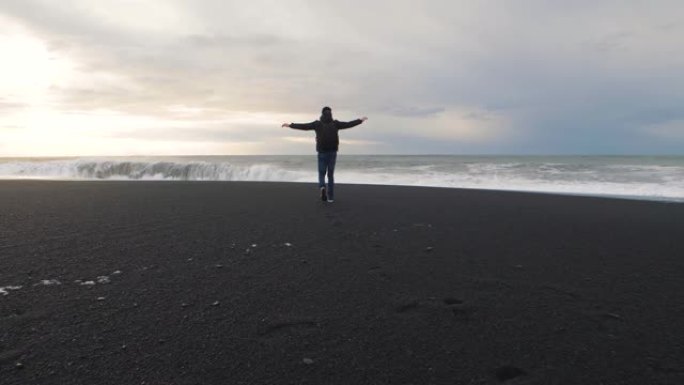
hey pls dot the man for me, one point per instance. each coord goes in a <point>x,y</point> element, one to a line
<point>327,143</point>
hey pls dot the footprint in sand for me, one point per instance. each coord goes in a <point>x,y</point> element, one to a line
<point>457,308</point>
<point>450,301</point>
<point>407,307</point>
<point>506,373</point>
<point>454,305</point>
<point>285,326</point>
<point>378,272</point>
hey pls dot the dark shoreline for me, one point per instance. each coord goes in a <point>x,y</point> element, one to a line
<point>637,198</point>
<point>387,285</point>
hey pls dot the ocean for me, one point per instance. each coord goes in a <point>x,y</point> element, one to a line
<point>635,177</point>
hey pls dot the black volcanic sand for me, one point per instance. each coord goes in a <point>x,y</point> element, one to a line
<point>259,283</point>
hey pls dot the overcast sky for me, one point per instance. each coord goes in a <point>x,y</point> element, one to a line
<point>161,77</point>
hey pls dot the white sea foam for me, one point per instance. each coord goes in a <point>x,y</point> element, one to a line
<point>635,177</point>
<point>4,290</point>
<point>143,169</point>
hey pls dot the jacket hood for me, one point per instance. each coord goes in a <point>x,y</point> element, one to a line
<point>326,115</point>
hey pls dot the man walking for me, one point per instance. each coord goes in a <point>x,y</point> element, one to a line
<point>327,144</point>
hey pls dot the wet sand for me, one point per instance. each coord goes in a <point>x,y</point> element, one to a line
<point>261,283</point>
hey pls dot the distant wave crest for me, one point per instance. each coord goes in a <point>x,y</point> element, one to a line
<point>146,170</point>
<point>600,177</point>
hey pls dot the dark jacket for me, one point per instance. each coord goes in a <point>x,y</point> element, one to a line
<point>326,133</point>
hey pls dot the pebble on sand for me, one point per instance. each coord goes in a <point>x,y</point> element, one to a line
<point>103,279</point>
<point>308,361</point>
<point>613,316</point>
<point>216,303</point>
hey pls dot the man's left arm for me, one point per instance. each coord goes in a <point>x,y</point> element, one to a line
<point>343,125</point>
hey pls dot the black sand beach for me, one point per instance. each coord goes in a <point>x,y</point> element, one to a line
<point>258,283</point>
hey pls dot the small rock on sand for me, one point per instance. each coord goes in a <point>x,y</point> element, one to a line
<point>103,279</point>
<point>613,316</point>
<point>308,361</point>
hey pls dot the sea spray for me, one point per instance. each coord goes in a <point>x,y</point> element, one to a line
<point>630,176</point>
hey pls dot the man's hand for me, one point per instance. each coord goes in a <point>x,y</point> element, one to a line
<point>364,118</point>
<point>286,125</point>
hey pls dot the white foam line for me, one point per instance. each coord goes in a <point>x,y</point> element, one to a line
<point>4,290</point>
<point>101,279</point>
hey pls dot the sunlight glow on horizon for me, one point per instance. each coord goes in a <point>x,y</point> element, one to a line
<point>28,70</point>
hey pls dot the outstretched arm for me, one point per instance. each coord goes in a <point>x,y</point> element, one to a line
<point>300,126</point>
<point>343,125</point>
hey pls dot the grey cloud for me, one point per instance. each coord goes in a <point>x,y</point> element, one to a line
<point>570,84</point>
<point>412,111</point>
<point>201,133</point>
<point>612,42</point>
<point>221,41</point>
<point>9,105</point>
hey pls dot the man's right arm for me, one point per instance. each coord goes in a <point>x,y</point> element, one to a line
<point>301,126</point>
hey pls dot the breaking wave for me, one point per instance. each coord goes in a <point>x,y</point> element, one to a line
<point>598,176</point>
<point>147,170</point>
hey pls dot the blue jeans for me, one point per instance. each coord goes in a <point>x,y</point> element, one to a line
<point>326,164</point>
